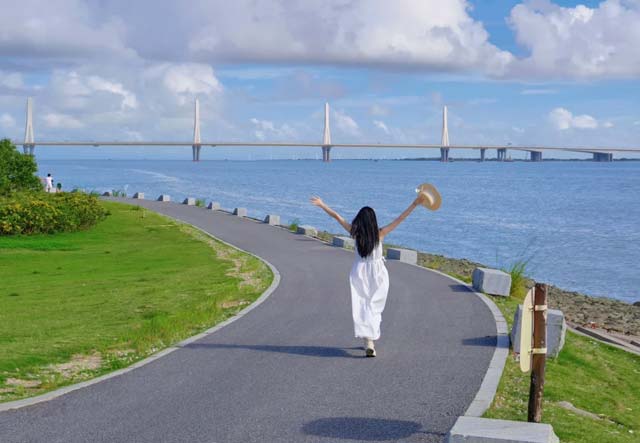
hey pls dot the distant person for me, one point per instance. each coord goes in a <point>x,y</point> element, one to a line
<point>59,187</point>
<point>48,183</point>
<point>369,278</point>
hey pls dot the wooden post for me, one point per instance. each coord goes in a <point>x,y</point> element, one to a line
<point>539,353</point>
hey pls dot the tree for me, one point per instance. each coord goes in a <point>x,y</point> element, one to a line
<point>17,171</point>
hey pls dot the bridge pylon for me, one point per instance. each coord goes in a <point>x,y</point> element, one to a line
<point>29,141</point>
<point>444,150</point>
<point>326,136</point>
<point>196,133</point>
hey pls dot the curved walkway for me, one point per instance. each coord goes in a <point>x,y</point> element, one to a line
<point>290,370</point>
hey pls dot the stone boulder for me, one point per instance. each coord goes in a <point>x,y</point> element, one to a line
<point>272,219</point>
<point>240,212</point>
<point>307,230</point>
<point>556,331</point>
<point>491,281</point>
<point>404,255</point>
<point>343,242</point>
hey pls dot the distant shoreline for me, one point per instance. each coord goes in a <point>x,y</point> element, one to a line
<point>417,159</point>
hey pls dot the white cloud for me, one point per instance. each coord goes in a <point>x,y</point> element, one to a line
<point>265,129</point>
<point>378,110</point>
<point>11,80</point>
<point>61,121</point>
<point>75,90</point>
<point>538,91</point>
<point>7,121</point>
<point>99,84</point>
<point>64,28</point>
<point>517,129</point>
<point>191,78</point>
<point>428,33</point>
<point>562,119</point>
<point>607,125</point>
<point>382,126</point>
<point>345,123</point>
<point>578,42</point>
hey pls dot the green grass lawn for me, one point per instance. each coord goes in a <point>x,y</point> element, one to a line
<point>76,305</point>
<point>589,374</point>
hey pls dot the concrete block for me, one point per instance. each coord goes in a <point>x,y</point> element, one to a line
<point>189,201</point>
<point>344,242</point>
<point>556,331</point>
<point>214,206</point>
<point>307,230</point>
<point>107,194</point>
<point>240,212</point>
<point>139,195</point>
<point>487,430</point>
<point>404,255</point>
<point>164,198</point>
<point>491,281</point>
<point>272,219</point>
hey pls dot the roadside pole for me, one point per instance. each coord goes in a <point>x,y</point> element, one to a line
<point>539,353</point>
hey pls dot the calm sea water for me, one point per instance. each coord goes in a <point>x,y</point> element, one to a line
<point>577,223</point>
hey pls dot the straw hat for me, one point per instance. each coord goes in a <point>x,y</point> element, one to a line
<point>433,200</point>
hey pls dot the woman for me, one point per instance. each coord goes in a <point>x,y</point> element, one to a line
<point>368,278</point>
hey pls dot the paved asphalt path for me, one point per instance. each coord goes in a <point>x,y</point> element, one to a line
<point>291,370</point>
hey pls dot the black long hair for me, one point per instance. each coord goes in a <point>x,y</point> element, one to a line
<point>364,229</point>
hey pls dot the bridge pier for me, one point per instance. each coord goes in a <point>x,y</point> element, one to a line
<point>326,154</point>
<point>536,156</point>
<point>483,151</point>
<point>196,152</point>
<point>444,154</point>
<point>502,154</point>
<point>602,157</point>
<point>29,150</point>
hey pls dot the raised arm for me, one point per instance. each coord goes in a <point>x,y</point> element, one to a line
<point>394,224</point>
<point>317,201</point>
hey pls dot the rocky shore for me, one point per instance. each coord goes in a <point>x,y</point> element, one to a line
<point>579,309</point>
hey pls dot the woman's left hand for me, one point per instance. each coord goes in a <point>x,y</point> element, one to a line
<point>421,198</point>
<point>316,201</point>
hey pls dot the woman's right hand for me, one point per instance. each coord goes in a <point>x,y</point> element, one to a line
<point>316,201</point>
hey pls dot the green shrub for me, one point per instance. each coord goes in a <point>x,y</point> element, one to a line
<point>293,224</point>
<point>518,278</point>
<point>42,213</point>
<point>17,171</point>
<point>200,202</point>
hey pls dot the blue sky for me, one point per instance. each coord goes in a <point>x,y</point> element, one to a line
<point>526,73</point>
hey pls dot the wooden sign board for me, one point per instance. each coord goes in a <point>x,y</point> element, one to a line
<point>526,332</point>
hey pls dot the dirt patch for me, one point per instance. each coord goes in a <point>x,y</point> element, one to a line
<point>233,303</point>
<point>122,352</point>
<point>22,383</point>
<point>237,259</point>
<point>79,363</point>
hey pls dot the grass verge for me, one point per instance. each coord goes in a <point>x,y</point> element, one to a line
<point>74,306</point>
<point>591,375</point>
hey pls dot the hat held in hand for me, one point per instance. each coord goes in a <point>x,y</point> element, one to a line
<point>433,199</point>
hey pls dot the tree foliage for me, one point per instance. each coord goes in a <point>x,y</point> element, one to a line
<point>17,171</point>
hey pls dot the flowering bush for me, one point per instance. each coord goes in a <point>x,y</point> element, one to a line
<point>43,213</point>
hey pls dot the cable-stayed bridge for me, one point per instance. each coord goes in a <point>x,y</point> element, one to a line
<point>600,154</point>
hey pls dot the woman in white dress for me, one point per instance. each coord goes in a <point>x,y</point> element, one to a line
<point>369,278</point>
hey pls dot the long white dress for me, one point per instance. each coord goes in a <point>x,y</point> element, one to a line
<point>369,281</point>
